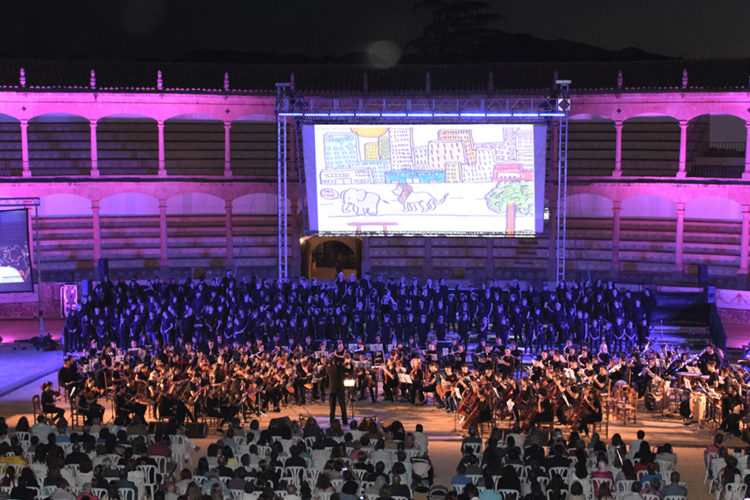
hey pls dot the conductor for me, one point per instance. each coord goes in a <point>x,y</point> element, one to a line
<point>336,374</point>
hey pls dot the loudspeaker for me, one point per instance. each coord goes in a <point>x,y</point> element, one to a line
<point>196,430</point>
<point>280,422</point>
<point>710,294</point>
<point>702,274</point>
<point>169,428</point>
<point>103,267</point>
<point>84,288</point>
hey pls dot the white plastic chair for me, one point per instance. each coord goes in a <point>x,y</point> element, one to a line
<point>458,488</point>
<point>473,448</point>
<point>127,494</point>
<point>560,471</point>
<point>509,494</point>
<point>97,492</point>
<point>650,496</point>
<point>597,482</point>
<point>732,491</point>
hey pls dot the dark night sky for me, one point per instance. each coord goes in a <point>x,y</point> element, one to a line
<point>167,29</point>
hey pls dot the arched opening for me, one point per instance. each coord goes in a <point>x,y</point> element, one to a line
<point>324,258</point>
<point>591,146</point>
<point>59,145</point>
<point>127,145</point>
<point>716,146</point>
<point>650,146</point>
<point>10,144</point>
<point>194,145</point>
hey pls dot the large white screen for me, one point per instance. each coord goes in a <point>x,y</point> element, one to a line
<point>425,179</point>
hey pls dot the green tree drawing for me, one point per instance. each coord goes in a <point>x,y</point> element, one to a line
<point>520,193</point>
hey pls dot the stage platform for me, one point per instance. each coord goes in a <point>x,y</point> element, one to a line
<point>23,371</point>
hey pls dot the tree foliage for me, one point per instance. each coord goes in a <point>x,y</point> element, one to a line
<point>520,193</point>
<point>456,27</point>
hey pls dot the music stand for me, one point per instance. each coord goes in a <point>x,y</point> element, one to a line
<point>350,384</point>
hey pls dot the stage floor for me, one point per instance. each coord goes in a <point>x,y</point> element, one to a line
<point>23,369</point>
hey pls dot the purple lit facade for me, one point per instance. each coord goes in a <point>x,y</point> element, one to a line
<point>180,181</point>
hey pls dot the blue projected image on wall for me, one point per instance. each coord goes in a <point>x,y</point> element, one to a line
<point>15,260</point>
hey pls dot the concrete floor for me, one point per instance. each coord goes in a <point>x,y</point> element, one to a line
<point>23,369</point>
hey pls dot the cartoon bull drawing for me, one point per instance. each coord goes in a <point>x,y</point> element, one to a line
<point>359,202</point>
<point>420,200</point>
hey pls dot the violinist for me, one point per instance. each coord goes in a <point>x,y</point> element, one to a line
<point>416,393</point>
<point>590,410</point>
<point>544,409</point>
<point>48,401</point>
<point>87,402</point>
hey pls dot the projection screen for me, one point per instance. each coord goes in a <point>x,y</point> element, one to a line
<point>425,179</point>
<point>15,260</point>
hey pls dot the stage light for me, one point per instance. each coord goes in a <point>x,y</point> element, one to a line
<point>474,114</point>
<point>367,114</point>
<point>340,114</point>
<point>420,115</point>
<point>445,114</point>
<point>395,115</point>
<point>317,114</point>
<point>499,115</point>
<point>530,115</point>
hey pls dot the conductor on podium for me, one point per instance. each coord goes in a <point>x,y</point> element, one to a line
<point>336,391</point>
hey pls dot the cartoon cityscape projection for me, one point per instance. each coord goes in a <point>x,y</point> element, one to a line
<point>391,155</point>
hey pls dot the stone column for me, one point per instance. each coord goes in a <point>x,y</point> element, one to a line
<point>618,149</point>
<point>682,169</point>
<point>365,267</point>
<point>229,259</point>
<point>94,150</point>
<point>97,231</point>
<point>489,257</point>
<point>427,259</point>
<point>25,147</point>
<point>163,261</point>
<point>227,150</point>
<point>744,239</point>
<point>746,173</point>
<point>616,209</point>
<point>678,237</point>
<point>162,159</point>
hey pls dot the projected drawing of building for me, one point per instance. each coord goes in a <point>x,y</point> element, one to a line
<point>441,152</point>
<point>524,142</point>
<point>486,161</point>
<point>511,172</point>
<point>421,160</point>
<point>377,169</point>
<point>453,172</point>
<point>384,145</point>
<point>401,145</point>
<point>346,176</point>
<point>414,176</point>
<point>463,136</point>
<point>372,152</point>
<point>341,149</point>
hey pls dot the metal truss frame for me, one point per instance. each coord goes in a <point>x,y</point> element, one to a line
<point>476,108</point>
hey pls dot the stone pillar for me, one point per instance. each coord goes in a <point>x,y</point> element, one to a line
<point>427,259</point>
<point>25,148</point>
<point>162,159</point>
<point>744,239</point>
<point>489,257</point>
<point>94,151</point>
<point>97,231</point>
<point>227,150</point>
<point>682,169</point>
<point>618,149</point>
<point>229,259</point>
<point>678,237</point>
<point>365,267</point>
<point>746,173</point>
<point>615,265</point>
<point>163,261</point>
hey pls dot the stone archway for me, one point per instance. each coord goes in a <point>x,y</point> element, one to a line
<point>324,258</point>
